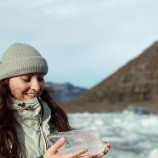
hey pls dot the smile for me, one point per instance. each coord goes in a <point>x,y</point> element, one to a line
<point>32,95</point>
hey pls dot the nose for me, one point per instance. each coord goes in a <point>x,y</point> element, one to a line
<point>35,85</point>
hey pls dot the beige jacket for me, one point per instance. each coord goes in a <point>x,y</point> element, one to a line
<point>34,118</point>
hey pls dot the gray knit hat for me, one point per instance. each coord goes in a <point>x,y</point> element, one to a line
<point>20,59</point>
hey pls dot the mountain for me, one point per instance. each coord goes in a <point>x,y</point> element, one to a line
<point>65,92</point>
<point>135,83</point>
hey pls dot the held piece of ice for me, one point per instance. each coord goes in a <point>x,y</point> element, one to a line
<point>78,139</point>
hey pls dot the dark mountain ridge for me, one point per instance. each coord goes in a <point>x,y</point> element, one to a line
<point>135,83</point>
<point>65,92</point>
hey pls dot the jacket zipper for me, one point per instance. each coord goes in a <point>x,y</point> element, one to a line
<point>44,136</point>
<point>42,131</point>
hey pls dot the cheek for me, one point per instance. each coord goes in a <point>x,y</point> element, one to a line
<point>12,88</point>
<point>14,91</point>
<point>17,89</point>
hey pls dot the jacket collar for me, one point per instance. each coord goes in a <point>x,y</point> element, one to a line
<point>31,104</point>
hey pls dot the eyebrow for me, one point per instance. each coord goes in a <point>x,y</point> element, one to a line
<point>41,74</point>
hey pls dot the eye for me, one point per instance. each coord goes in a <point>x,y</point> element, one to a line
<point>26,79</point>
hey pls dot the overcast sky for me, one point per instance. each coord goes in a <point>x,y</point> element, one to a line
<point>84,41</point>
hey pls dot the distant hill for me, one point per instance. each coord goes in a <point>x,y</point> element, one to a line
<point>65,92</point>
<point>135,83</point>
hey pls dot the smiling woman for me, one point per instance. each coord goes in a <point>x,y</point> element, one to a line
<point>28,113</point>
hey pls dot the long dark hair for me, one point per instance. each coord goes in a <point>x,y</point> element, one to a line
<point>58,116</point>
<point>9,143</point>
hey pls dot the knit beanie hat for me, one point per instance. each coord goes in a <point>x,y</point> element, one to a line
<point>20,59</point>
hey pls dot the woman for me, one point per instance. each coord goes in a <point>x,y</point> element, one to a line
<point>28,114</point>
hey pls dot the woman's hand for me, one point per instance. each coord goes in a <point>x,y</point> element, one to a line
<point>103,153</point>
<point>52,152</point>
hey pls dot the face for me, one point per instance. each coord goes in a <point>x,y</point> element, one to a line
<point>26,87</point>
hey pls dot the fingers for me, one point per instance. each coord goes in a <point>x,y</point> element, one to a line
<point>99,155</point>
<point>107,148</point>
<point>57,145</point>
<point>104,152</point>
<point>82,151</point>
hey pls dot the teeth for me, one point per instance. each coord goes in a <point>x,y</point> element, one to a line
<point>32,95</point>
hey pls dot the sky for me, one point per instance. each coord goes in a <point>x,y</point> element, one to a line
<point>83,41</point>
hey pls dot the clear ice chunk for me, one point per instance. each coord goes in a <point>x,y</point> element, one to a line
<point>78,139</point>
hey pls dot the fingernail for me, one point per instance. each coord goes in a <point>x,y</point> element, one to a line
<point>62,139</point>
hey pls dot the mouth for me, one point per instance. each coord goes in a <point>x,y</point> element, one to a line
<point>32,94</point>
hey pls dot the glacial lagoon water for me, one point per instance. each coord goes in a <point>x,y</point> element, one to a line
<point>130,135</point>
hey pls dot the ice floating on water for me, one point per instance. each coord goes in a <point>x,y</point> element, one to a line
<point>78,139</point>
<point>154,153</point>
